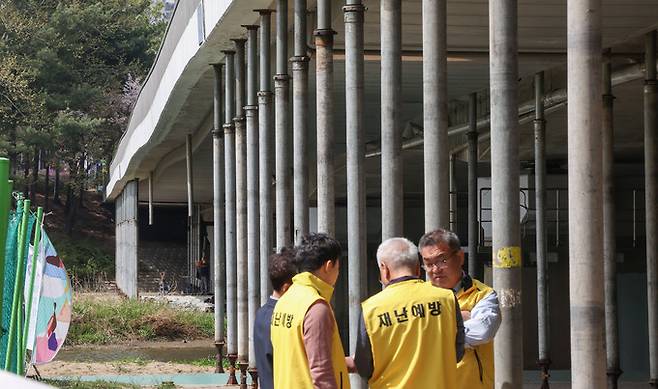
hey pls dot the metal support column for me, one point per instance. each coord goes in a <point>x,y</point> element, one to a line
<point>391,102</point>
<point>651,199</point>
<point>473,229</point>
<point>609,232</point>
<point>241,207</point>
<point>503,70</point>
<point>151,198</point>
<point>544,360</point>
<point>282,131</point>
<point>356,149</point>
<point>453,193</point>
<point>229,177</point>
<point>218,233</point>
<point>265,153</point>
<point>189,175</point>
<point>300,122</point>
<point>324,76</point>
<point>435,114</point>
<point>253,220</point>
<point>585,193</point>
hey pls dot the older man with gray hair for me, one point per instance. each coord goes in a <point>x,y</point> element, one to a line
<point>443,260</point>
<point>406,325</point>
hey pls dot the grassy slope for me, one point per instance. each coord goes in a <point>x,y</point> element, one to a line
<point>114,320</point>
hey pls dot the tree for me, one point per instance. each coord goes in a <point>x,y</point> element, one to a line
<point>69,75</point>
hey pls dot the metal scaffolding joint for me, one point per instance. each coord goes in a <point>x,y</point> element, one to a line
<point>355,8</point>
<point>325,32</point>
<point>299,59</point>
<point>229,128</point>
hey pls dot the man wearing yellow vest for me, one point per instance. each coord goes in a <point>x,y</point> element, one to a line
<point>410,334</point>
<point>443,259</point>
<point>308,353</point>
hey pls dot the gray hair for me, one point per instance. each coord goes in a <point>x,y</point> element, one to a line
<point>439,236</point>
<point>398,253</point>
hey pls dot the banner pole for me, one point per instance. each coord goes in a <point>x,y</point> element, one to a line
<point>5,194</point>
<point>35,256</point>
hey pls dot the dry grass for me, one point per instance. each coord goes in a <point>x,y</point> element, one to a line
<point>106,319</point>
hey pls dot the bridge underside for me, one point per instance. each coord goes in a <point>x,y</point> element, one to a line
<point>169,144</point>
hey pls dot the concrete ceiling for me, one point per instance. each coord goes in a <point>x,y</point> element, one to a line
<point>542,43</point>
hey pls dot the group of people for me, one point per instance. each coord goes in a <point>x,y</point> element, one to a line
<point>413,334</point>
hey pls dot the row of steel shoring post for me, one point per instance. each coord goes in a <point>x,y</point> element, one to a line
<point>248,159</point>
<point>247,184</point>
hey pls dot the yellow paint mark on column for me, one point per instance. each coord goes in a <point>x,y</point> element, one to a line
<point>507,258</point>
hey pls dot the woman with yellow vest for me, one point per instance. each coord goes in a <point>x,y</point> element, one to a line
<point>306,346</point>
<point>443,259</point>
<point>410,333</point>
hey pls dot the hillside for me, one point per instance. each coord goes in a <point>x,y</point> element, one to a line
<point>88,252</point>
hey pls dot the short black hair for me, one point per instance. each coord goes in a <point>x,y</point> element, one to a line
<point>316,249</point>
<point>282,268</point>
<point>438,236</point>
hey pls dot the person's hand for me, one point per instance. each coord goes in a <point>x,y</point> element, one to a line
<point>466,315</point>
<point>351,367</point>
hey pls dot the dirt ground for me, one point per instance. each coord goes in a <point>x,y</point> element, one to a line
<point>73,369</point>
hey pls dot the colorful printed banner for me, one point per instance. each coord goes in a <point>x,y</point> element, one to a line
<point>52,299</point>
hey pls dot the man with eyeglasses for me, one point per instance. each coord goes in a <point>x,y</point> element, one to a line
<point>443,259</point>
<point>410,334</point>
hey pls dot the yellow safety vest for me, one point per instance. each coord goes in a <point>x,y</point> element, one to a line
<point>412,330</point>
<point>291,370</point>
<point>476,369</point>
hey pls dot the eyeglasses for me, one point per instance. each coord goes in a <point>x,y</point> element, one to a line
<point>438,262</point>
